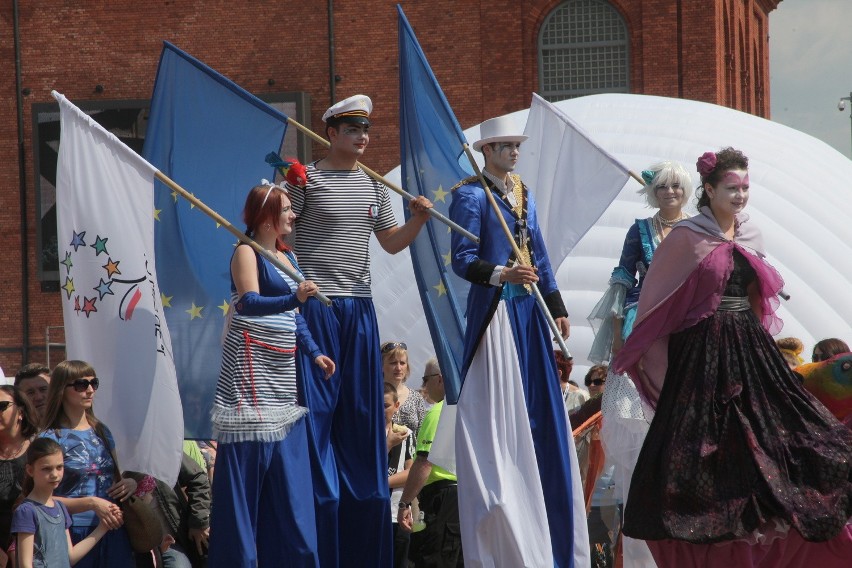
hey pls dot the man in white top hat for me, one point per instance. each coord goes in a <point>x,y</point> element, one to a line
<point>338,210</point>
<point>520,496</point>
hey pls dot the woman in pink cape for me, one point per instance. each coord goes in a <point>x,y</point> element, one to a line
<point>741,466</point>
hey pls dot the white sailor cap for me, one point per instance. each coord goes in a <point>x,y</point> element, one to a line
<point>356,108</point>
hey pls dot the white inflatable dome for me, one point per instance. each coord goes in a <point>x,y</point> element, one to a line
<point>801,192</point>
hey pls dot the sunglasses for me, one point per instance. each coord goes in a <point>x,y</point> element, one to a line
<point>391,345</point>
<point>596,382</point>
<point>5,404</point>
<point>820,356</point>
<point>81,385</point>
<point>426,377</point>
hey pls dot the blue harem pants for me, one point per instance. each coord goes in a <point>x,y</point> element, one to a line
<point>346,435</point>
<point>262,511</point>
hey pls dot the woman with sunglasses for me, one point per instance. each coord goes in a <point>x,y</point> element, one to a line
<point>18,424</point>
<point>90,488</point>
<point>412,405</point>
<point>828,348</point>
<point>596,379</point>
<point>741,466</point>
<point>668,187</point>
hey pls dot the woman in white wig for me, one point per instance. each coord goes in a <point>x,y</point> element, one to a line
<point>668,186</point>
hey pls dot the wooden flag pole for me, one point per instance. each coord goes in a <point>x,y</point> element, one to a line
<point>557,334</point>
<point>381,179</point>
<point>236,232</point>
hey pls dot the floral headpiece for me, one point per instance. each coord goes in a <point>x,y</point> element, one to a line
<point>706,164</point>
<point>648,176</point>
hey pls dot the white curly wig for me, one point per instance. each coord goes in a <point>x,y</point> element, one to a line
<point>665,173</point>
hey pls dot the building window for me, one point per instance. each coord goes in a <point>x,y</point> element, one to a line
<point>128,120</point>
<point>298,107</point>
<point>582,50</point>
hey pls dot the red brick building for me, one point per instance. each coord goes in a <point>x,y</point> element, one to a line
<point>488,56</point>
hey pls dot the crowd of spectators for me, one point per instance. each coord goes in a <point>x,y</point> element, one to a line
<point>57,405</point>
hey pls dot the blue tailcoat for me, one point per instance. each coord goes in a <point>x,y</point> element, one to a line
<point>471,209</point>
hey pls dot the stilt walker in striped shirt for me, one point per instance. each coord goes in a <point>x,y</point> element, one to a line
<point>260,515</point>
<point>338,210</point>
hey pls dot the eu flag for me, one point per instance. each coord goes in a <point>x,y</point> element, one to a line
<point>210,136</point>
<point>431,154</point>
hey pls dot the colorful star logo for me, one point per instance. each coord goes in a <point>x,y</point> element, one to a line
<point>112,267</point>
<point>69,286</point>
<point>100,245</point>
<point>104,288</point>
<point>89,305</point>
<point>67,262</point>
<point>78,240</point>
<point>125,291</point>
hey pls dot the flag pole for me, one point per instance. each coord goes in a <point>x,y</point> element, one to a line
<point>381,179</point>
<point>518,259</point>
<point>236,232</point>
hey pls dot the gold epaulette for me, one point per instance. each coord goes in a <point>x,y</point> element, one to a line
<point>465,181</point>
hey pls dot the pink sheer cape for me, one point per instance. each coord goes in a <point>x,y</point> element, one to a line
<point>684,285</point>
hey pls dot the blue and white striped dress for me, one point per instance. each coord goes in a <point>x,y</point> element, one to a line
<point>256,396</point>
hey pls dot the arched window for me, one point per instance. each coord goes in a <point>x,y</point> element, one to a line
<point>582,50</point>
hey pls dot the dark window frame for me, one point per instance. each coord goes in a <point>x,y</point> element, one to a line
<point>567,48</point>
<point>45,146</point>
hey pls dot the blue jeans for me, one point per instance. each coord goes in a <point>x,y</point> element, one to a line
<point>174,557</point>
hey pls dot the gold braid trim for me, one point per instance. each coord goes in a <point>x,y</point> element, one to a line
<point>465,181</point>
<point>356,112</point>
<point>520,211</point>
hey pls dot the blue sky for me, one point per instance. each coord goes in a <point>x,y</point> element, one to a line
<point>810,68</point>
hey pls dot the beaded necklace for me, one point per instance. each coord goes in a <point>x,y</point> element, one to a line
<point>660,222</point>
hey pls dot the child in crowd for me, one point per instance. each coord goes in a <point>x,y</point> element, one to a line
<point>41,522</point>
<point>400,458</point>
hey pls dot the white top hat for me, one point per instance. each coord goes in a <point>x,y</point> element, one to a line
<point>499,129</point>
<point>356,108</point>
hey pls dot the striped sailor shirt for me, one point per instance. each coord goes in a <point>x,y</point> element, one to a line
<point>337,212</point>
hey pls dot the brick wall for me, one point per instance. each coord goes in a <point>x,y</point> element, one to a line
<point>484,54</point>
